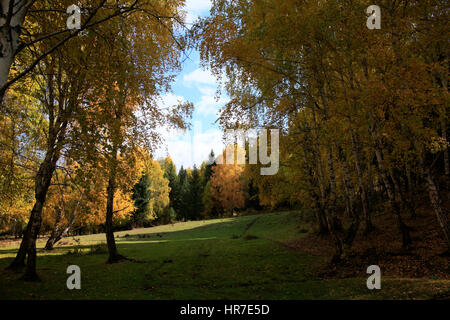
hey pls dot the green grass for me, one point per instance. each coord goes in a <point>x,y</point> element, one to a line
<point>235,258</point>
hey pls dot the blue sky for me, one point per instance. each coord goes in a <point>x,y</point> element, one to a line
<point>198,86</point>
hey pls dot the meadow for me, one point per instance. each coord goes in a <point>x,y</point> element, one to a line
<point>232,258</point>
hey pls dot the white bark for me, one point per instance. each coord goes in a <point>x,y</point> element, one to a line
<point>14,12</point>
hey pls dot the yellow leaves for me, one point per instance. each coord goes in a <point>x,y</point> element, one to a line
<point>437,144</point>
<point>227,186</point>
<point>123,205</point>
<point>159,186</point>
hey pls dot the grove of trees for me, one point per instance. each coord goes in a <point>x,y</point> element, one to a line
<point>81,108</point>
<point>363,113</point>
<point>363,116</point>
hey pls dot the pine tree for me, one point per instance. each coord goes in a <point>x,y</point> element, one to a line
<point>208,170</point>
<point>252,202</point>
<point>182,200</point>
<point>141,198</point>
<point>196,192</point>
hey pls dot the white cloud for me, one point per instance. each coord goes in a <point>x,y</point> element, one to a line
<point>192,147</point>
<point>199,76</point>
<point>198,5</point>
<point>209,105</point>
<point>206,83</point>
<point>207,91</point>
<point>196,8</point>
<point>169,100</point>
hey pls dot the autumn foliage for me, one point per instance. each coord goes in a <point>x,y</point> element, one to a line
<point>363,113</point>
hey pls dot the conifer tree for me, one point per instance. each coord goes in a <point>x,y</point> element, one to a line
<point>195,198</point>
<point>208,169</point>
<point>141,198</point>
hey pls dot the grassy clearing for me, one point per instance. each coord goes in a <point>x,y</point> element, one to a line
<point>235,258</point>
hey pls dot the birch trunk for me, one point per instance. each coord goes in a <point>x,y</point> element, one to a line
<point>350,191</point>
<point>403,228</point>
<point>320,175</point>
<point>439,210</point>
<point>317,208</point>
<point>12,16</point>
<point>58,233</point>
<point>362,190</point>
<point>42,184</point>
<point>410,191</point>
<point>436,201</point>
<point>114,256</point>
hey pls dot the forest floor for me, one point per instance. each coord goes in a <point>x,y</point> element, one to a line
<point>265,256</point>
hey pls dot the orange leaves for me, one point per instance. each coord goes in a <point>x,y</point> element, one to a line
<point>227,187</point>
